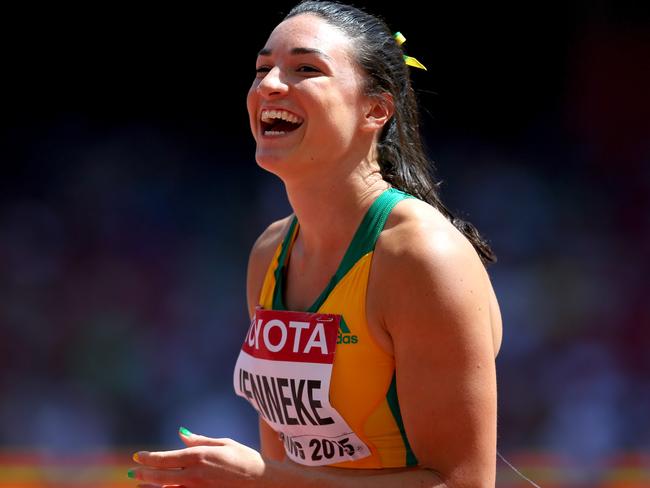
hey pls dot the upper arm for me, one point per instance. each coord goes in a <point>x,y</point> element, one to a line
<point>438,317</point>
<point>258,263</point>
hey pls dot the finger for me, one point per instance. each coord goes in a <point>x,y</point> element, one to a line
<point>179,458</point>
<point>158,477</point>
<point>199,440</point>
<point>191,439</point>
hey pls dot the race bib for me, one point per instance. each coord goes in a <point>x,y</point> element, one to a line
<point>284,371</point>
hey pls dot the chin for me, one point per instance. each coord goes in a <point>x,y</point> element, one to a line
<point>274,163</point>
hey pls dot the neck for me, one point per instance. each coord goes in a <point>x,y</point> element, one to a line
<point>330,208</point>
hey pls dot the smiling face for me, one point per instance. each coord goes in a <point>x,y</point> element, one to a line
<point>306,104</point>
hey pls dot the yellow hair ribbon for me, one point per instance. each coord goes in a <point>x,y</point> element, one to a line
<point>414,62</point>
<point>411,61</point>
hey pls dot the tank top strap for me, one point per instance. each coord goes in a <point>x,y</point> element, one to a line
<point>279,273</point>
<point>371,226</point>
<point>363,242</point>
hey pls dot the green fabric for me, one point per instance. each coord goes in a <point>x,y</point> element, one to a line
<point>393,403</point>
<point>343,327</point>
<point>278,300</point>
<point>363,242</point>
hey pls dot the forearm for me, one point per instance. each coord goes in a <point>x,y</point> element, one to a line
<point>282,474</point>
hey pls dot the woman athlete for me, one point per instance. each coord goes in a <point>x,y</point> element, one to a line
<point>374,327</point>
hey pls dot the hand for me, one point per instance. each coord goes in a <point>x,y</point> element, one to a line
<point>206,462</point>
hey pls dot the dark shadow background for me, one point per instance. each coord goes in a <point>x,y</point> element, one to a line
<point>129,199</point>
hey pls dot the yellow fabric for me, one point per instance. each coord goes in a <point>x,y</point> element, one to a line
<point>362,371</point>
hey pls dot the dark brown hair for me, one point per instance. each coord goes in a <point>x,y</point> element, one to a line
<point>402,159</point>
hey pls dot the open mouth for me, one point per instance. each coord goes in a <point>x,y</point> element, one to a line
<point>279,122</point>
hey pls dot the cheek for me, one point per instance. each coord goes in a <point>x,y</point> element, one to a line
<point>345,116</point>
<point>349,103</point>
<point>251,107</point>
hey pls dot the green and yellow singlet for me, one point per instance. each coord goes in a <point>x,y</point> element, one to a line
<point>358,416</point>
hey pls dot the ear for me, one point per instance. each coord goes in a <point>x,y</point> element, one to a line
<point>378,112</point>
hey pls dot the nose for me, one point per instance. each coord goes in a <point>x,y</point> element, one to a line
<point>272,85</point>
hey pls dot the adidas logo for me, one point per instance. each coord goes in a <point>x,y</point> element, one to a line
<point>345,336</point>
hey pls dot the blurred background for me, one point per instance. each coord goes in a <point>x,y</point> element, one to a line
<point>130,197</point>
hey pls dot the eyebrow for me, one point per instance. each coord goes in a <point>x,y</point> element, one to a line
<point>297,51</point>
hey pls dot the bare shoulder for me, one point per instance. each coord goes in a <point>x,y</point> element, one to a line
<point>267,241</point>
<point>422,262</point>
<point>417,233</point>
<point>260,256</point>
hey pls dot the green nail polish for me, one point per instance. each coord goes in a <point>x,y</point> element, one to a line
<point>184,432</point>
<point>131,473</point>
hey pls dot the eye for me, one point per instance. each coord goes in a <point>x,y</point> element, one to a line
<point>262,70</point>
<point>305,68</point>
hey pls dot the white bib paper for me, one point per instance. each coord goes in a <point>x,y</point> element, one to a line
<point>284,371</point>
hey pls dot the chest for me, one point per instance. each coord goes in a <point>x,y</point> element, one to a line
<point>306,286</point>
<point>305,281</point>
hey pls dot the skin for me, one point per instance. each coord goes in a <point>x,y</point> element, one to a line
<point>429,302</point>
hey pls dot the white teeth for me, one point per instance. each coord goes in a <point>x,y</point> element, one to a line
<point>274,133</point>
<point>271,115</point>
